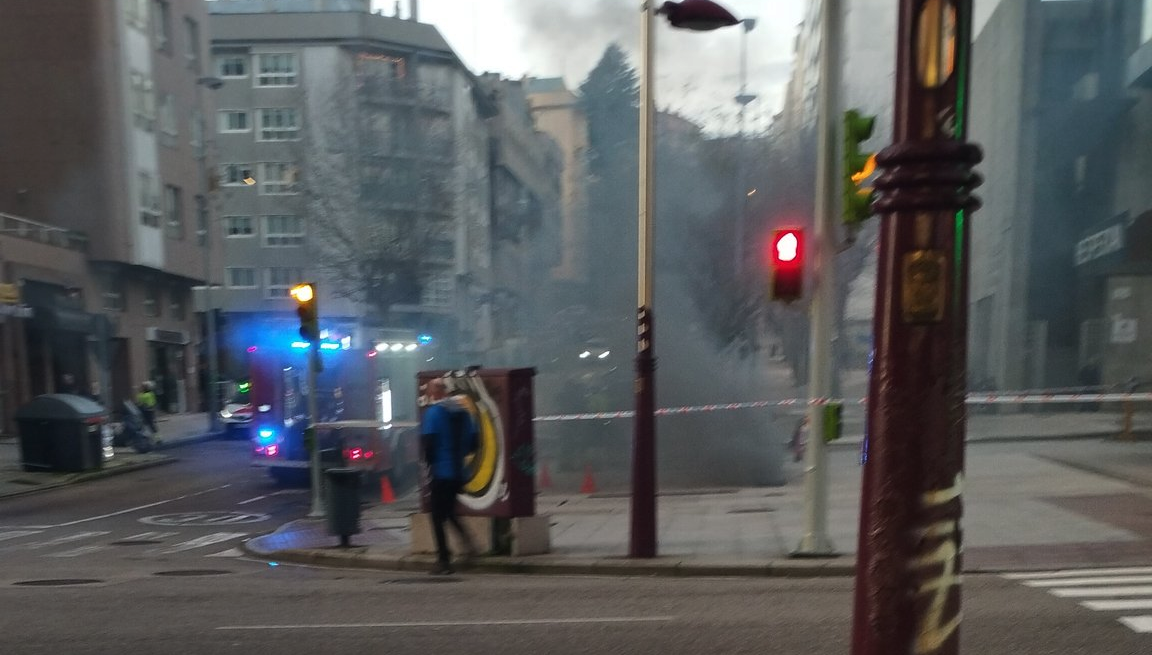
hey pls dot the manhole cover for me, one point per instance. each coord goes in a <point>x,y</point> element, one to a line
<point>57,582</point>
<point>178,573</point>
<point>204,518</point>
<point>428,580</point>
<point>136,542</point>
<point>751,510</point>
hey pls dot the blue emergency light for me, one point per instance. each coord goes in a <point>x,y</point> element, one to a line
<point>266,435</point>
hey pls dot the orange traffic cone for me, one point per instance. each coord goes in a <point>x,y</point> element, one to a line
<point>589,486</point>
<point>545,476</point>
<point>386,495</point>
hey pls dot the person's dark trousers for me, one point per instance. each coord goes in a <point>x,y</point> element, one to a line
<point>443,502</point>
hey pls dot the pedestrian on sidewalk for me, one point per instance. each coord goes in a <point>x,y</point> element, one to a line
<point>146,401</point>
<point>448,435</point>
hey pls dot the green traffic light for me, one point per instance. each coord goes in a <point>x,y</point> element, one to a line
<point>858,166</point>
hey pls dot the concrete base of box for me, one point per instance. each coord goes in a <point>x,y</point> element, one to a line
<point>526,535</point>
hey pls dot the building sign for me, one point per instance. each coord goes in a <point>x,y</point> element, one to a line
<point>9,294</point>
<point>174,337</point>
<point>1095,246</point>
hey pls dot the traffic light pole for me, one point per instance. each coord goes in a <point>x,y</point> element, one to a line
<point>909,555</point>
<point>313,367</point>
<point>815,542</point>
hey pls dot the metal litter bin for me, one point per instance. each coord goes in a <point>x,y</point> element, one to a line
<point>343,503</point>
<point>61,432</point>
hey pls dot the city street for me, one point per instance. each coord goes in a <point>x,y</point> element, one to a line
<point>148,562</point>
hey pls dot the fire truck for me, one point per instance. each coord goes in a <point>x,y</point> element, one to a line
<point>356,424</point>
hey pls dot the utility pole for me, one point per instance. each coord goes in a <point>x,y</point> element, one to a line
<point>743,99</point>
<point>908,559</point>
<point>205,216</point>
<point>815,542</point>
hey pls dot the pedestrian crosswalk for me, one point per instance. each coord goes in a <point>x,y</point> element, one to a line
<point>50,543</point>
<point>1125,591</point>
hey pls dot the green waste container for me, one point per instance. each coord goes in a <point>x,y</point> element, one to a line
<point>61,433</point>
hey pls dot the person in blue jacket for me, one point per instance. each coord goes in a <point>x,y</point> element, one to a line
<point>448,434</point>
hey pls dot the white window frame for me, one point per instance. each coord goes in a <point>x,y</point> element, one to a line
<point>284,238</point>
<point>439,291</point>
<point>231,272</point>
<point>222,62</point>
<point>169,125</point>
<point>277,289</point>
<point>152,300</point>
<point>274,124</point>
<point>231,221</point>
<point>283,184</point>
<point>174,212</point>
<point>162,26</point>
<point>232,174</point>
<point>224,115</point>
<point>275,78</point>
<point>192,50</point>
<point>149,199</point>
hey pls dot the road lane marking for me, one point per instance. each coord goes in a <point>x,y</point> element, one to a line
<point>1101,591</point>
<point>1138,623</point>
<point>451,624</point>
<point>136,509</point>
<point>150,536</point>
<point>77,552</point>
<point>68,538</point>
<point>252,500</point>
<point>1125,605</point>
<point>206,540</point>
<point>1085,582</point>
<point>1078,573</point>
<point>5,536</point>
<point>231,552</point>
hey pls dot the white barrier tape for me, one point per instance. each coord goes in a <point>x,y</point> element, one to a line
<point>972,399</point>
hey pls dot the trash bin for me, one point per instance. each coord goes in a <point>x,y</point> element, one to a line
<point>61,432</point>
<point>343,503</point>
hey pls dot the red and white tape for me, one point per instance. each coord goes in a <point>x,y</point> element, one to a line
<point>972,399</point>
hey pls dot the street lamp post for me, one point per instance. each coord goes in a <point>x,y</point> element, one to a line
<point>698,15</point>
<point>212,83</point>
<point>743,99</point>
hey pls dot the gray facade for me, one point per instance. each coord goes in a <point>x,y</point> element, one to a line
<point>360,132</point>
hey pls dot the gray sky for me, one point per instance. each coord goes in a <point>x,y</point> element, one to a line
<point>698,73</point>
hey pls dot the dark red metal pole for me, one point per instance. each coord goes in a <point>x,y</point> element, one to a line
<point>907,577</point>
<point>643,535</point>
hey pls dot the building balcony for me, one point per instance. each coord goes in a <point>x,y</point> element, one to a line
<point>403,92</point>
<point>23,228</point>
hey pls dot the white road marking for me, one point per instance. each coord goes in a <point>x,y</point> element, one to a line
<point>1084,582</point>
<point>77,552</point>
<point>252,500</point>
<point>231,552</point>
<point>206,540</point>
<point>1138,623</point>
<point>5,536</point>
<point>1078,573</point>
<point>64,540</point>
<point>150,536</point>
<point>1105,592</point>
<point>449,624</point>
<point>136,509</point>
<point>1125,605</point>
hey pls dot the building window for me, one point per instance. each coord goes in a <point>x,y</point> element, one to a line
<point>279,125</point>
<point>232,66</point>
<point>283,231</point>
<point>192,52</point>
<point>281,280</point>
<point>438,292</point>
<point>149,200</point>
<point>137,13</point>
<point>177,307</point>
<point>174,211</point>
<point>278,179</point>
<point>236,175</point>
<point>240,278</point>
<point>112,295</point>
<point>162,25</point>
<point>143,101</point>
<point>169,130</point>
<point>232,120</point>
<point>196,128</point>
<point>238,226</point>
<point>151,300</point>
<point>276,69</point>
<point>201,221</point>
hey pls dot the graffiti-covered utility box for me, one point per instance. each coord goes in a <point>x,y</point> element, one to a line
<point>501,473</point>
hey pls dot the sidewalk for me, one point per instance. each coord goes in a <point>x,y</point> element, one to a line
<point>1044,509</point>
<point>175,430</point>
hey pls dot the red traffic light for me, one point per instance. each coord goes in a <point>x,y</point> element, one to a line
<point>786,256</point>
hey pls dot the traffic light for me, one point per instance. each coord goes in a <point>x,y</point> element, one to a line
<point>307,310</point>
<point>858,166</point>
<point>787,265</point>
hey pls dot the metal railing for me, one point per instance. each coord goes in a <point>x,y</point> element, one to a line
<point>23,228</point>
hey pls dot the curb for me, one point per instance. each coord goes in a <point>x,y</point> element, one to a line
<point>94,475</point>
<point>166,444</point>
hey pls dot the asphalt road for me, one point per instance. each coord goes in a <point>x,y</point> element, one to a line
<point>147,563</point>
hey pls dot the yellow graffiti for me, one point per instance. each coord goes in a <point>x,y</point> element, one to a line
<point>483,462</point>
<point>933,631</point>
